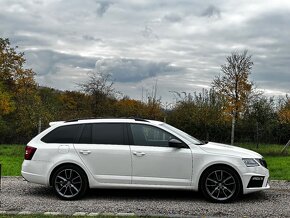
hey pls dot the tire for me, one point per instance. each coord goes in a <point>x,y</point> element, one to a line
<point>69,182</point>
<point>220,184</point>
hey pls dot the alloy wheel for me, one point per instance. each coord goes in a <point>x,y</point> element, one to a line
<point>68,183</point>
<point>220,185</point>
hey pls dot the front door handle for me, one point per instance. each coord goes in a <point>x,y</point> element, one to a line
<point>138,153</point>
<point>85,151</point>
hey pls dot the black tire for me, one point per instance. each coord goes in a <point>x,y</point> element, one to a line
<point>69,182</point>
<point>220,184</point>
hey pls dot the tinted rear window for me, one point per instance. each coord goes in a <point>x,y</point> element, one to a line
<point>108,133</point>
<point>63,134</point>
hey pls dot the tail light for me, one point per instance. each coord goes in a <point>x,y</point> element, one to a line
<point>29,152</point>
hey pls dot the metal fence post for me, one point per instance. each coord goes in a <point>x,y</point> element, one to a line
<point>0,178</point>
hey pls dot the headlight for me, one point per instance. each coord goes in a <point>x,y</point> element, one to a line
<point>250,162</point>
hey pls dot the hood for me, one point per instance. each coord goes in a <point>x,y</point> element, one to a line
<point>223,149</point>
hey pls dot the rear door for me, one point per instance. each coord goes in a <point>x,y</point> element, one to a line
<point>104,149</point>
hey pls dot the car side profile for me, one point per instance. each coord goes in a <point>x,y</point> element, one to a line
<point>72,156</point>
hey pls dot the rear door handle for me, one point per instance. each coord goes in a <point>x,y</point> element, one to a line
<point>138,153</point>
<point>85,151</point>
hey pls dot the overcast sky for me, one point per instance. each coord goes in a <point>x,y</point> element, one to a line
<point>180,44</point>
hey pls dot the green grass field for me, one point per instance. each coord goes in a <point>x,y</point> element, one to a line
<point>11,157</point>
<point>266,150</point>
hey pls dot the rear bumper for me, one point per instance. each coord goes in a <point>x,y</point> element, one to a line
<point>34,172</point>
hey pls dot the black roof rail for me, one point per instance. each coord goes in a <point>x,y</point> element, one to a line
<point>88,118</point>
<point>77,119</point>
<point>138,119</point>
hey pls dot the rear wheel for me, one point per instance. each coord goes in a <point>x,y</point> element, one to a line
<point>69,182</point>
<point>220,184</point>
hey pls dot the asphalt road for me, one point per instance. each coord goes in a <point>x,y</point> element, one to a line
<point>17,195</point>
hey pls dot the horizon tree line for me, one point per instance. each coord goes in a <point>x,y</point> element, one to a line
<point>231,111</point>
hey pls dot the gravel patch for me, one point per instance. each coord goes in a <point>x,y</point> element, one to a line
<point>18,195</point>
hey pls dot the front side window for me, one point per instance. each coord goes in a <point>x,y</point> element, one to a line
<point>182,134</point>
<point>62,134</point>
<point>149,135</point>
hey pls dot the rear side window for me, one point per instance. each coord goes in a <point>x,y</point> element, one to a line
<point>108,133</point>
<point>62,134</point>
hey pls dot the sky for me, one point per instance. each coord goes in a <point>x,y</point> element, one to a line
<point>178,45</point>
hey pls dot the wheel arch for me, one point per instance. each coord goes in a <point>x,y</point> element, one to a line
<point>217,165</point>
<point>64,164</point>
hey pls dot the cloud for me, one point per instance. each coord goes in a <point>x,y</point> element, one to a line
<point>140,41</point>
<point>211,12</point>
<point>134,70</point>
<point>59,70</point>
<point>148,33</point>
<point>47,61</point>
<point>102,7</point>
<point>172,18</point>
<point>91,38</point>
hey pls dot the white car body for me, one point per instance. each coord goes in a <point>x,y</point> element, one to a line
<point>135,166</point>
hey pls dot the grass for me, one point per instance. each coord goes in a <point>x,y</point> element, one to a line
<point>279,167</point>
<point>266,149</point>
<point>11,157</point>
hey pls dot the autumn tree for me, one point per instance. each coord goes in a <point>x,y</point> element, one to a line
<point>234,85</point>
<point>74,105</point>
<point>283,114</point>
<point>20,89</point>
<point>284,110</point>
<point>7,105</point>
<point>127,107</point>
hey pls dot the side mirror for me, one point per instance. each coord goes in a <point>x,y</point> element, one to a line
<point>175,143</point>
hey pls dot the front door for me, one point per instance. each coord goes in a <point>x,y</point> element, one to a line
<point>154,162</point>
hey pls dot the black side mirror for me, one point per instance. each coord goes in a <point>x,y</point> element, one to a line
<point>175,143</point>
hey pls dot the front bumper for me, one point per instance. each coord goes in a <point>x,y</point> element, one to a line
<point>256,179</point>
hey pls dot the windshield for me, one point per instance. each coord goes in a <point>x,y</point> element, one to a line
<point>181,133</point>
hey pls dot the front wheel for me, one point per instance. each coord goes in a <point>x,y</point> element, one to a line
<point>220,184</point>
<point>69,182</point>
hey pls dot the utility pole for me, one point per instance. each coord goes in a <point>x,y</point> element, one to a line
<point>257,134</point>
<point>39,125</point>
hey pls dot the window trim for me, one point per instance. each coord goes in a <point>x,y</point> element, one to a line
<point>79,135</point>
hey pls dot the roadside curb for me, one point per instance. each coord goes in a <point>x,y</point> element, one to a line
<point>54,213</point>
<point>94,214</point>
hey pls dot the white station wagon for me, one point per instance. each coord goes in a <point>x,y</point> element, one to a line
<point>75,155</point>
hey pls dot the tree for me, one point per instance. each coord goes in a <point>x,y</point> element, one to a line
<point>7,105</point>
<point>259,120</point>
<point>20,90</point>
<point>234,85</point>
<point>284,110</point>
<point>100,87</point>
<point>199,114</point>
<point>74,105</point>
